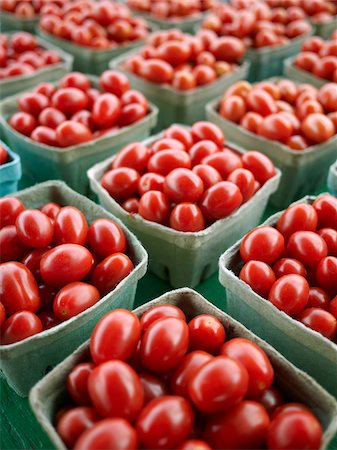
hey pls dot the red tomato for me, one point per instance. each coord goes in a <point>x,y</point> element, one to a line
<point>110,272</point>
<point>34,228</point>
<point>259,276</point>
<point>74,422</point>
<point>187,217</point>
<point>289,408</point>
<point>85,118</point>
<point>51,117</point>
<point>300,217</point>
<point>251,121</point>
<point>295,430</point>
<point>244,426</point>
<point>179,133</point>
<point>10,208</point>
<point>115,336</point>
<point>131,114</point>
<point>318,128</point>
<point>203,130</point>
<point>73,299</point>
<point>106,237</point>
<point>227,48</point>
<point>153,387</point>
<point>255,360</point>
<point>77,383</point>
<point>167,144</point>
<point>319,320</point>
<point>318,298</point>
<point>154,206</point>
<point>159,312</point>
<point>69,100</point>
<point>330,237</point>
<point>121,183</point>
<point>23,42</point>
<point>32,261</point>
<point>202,149</point>
<point>287,266</point>
<point>204,75</point>
<point>260,165</point>
<point>259,101</point>
<point>33,103</point>
<point>23,122</point>
<point>70,226</point>
<point>326,209</point>
<point>245,181</point>
<point>270,398</point>
<point>174,52</point>
<point>233,108</point>
<point>131,96</point>
<point>308,247</point>
<point>208,175</point>
<point>108,434</point>
<point>290,294</point>
<point>65,264</point>
<point>135,155</point>
<point>194,444</point>
<point>19,290</point>
<point>218,385</point>
<point>264,244</point>
<point>220,200</point>
<point>51,209</point>
<point>158,427</point>
<point>326,274</point>
<point>327,96</point>
<point>182,185</point>
<point>186,370</point>
<point>44,135</point>
<point>308,107</point>
<point>164,344</point>
<point>12,248</point>
<point>106,110</point>
<point>276,127</point>
<point>224,162</point>
<point>19,326</point>
<point>72,133</point>
<point>165,161</point>
<point>206,333</point>
<point>131,205</point>
<point>150,182</point>
<point>75,80</point>
<point>115,390</point>
<point>184,80</point>
<point>157,71</point>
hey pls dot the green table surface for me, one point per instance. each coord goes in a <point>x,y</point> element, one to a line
<point>18,426</point>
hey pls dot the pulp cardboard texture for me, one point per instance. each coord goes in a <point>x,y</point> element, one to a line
<point>10,172</point>
<point>324,30</point>
<point>24,363</point>
<point>86,59</point>
<point>13,85</point>
<point>179,106</point>
<point>185,259</point>
<point>307,349</point>
<point>49,394</point>
<point>42,162</point>
<point>9,22</point>
<point>302,171</point>
<point>185,24</point>
<point>294,73</point>
<point>332,179</point>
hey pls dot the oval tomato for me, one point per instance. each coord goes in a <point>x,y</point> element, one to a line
<point>73,299</point>
<point>19,326</point>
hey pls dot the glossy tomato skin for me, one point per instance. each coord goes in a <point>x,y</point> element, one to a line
<point>264,244</point>
<point>77,80</point>
<point>106,237</point>
<point>18,290</point>
<point>301,217</point>
<point>245,181</point>
<point>19,326</point>
<point>115,390</point>
<point>187,217</point>
<point>10,208</point>
<point>165,161</point>
<point>318,128</point>
<point>73,299</point>
<point>326,209</point>
<point>110,272</point>
<point>134,155</point>
<point>153,387</point>
<point>326,273</point>
<point>207,131</point>
<point>260,165</point>
<point>121,183</point>
<point>224,162</point>
<point>115,336</point>
<point>65,264</point>
<point>77,383</point>
<point>220,200</point>
<point>230,387</point>
<point>287,266</point>
<point>201,149</point>
<point>208,175</point>
<point>255,360</point>
<point>308,247</point>
<point>114,82</point>
<point>34,228</point>
<point>72,133</point>
<point>12,248</point>
<point>159,312</point>
<point>259,276</point>
<point>23,122</point>
<point>333,307</point>
<point>182,185</point>
<point>51,209</point>
<point>150,182</point>
<point>69,100</point>
<point>290,294</point>
<point>318,298</point>
<point>108,434</point>
<point>206,333</point>
<point>164,344</point>
<point>74,422</point>
<point>155,206</point>
<point>244,426</point>
<point>330,237</point>
<point>298,430</point>
<point>158,427</point>
<point>319,320</point>
<point>186,370</point>
<point>181,134</point>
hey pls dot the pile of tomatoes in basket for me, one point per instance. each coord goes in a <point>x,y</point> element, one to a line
<point>54,265</point>
<point>76,112</point>
<point>165,382</point>
<point>172,9</point>
<point>319,57</point>
<point>257,24</point>
<point>27,9</point>
<point>183,61</point>
<point>321,11</point>
<point>297,115</point>
<point>101,25</point>
<point>20,54</point>
<point>294,265</point>
<point>187,179</point>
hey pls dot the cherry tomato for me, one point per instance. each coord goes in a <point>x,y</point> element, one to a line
<point>233,108</point>
<point>77,383</point>
<point>318,128</point>
<point>300,217</point>
<point>158,427</point>
<point>326,209</point>
<point>159,312</point>
<point>72,133</point>
<point>202,130</point>
<point>290,294</point>
<point>110,272</point>
<point>70,226</point>
<point>69,100</point>
<point>251,121</point>
<point>276,127</point>
<point>32,261</point>
<point>204,74</point>
<point>184,80</point>
<point>115,336</point>
<point>295,430</point>
<point>208,175</point>
<point>131,96</point>
<point>134,156</point>
<point>326,274</point>
<point>85,118</point>
<point>201,149</point>
<point>150,182</point>
<point>244,426</point>
<point>330,237</point>
<point>131,113</point>
<point>74,422</point>
<point>319,320</point>
<point>287,266</point>
<point>73,299</point>
<point>187,217</point>
<point>33,103</point>
<point>218,385</point>
<point>259,101</point>
<point>167,144</point>
<point>227,48</point>
<point>270,398</point>
<point>34,228</point>
<point>245,181</point>
<point>75,80</point>
<point>12,248</point>
<point>157,71</point>
<point>164,344</point>
<point>106,237</point>
<point>65,264</point>
<point>51,209</point>
<point>106,110</point>
<point>308,247</point>
<point>174,52</point>
<point>260,165</point>
<point>22,122</point>
<point>108,434</point>
<point>181,134</point>
<point>206,333</point>
<point>44,135</point>
<point>264,244</point>
<point>155,206</point>
<point>182,185</point>
<point>19,326</point>
<point>224,162</point>
<point>10,208</point>
<point>115,390</point>
<point>259,276</point>
<point>131,205</point>
<point>2,314</point>
<point>220,200</point>
<point>318,298</point>
<point>327,96</point>
<point>51,117</point>
<point>153,387</point>
<point>165,161</point>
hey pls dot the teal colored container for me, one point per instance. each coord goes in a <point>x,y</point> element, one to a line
<point>293,72</point>
<point>324,30</point>
<point>10,22</point>
<point>10,173</point>
<point>24,363</point>
<point>332,179</point>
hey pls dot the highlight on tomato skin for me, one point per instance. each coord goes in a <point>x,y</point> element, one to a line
<point>158,381</point>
